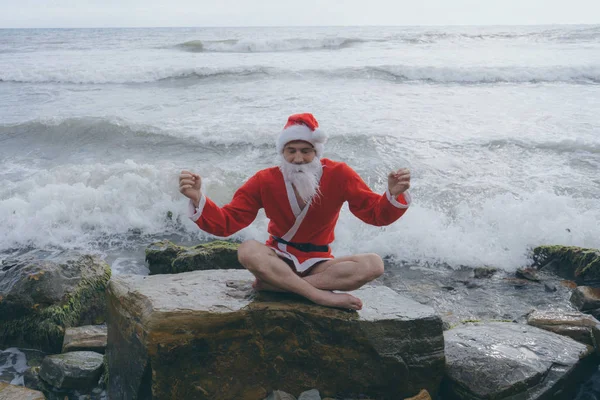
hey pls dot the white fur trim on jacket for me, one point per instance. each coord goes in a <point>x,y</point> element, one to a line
<point>195,213</point>
<point>302,132</point>
<point>395,202</point>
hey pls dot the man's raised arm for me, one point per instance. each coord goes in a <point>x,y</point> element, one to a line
<point>221,221</point>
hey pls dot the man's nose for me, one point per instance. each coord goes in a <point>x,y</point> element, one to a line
<point>298,159</point>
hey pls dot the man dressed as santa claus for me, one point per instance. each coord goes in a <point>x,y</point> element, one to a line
<point>302,198</point>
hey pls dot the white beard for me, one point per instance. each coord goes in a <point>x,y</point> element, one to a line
<point>304,177</point>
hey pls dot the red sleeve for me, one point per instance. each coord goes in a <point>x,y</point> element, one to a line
<point>370,207</point>
<point>227,220</point>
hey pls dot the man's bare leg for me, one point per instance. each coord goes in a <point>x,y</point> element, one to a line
<point>263,263</point>
<point>344,273</point>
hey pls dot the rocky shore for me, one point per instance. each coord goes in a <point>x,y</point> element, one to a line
<point>195,329</point>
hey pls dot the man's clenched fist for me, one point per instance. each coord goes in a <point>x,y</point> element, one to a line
<point>190,185</point>
<point>399,181</point>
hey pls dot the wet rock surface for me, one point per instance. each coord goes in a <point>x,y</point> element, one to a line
<point>165,257</point>
<point>507,360</point>
<point>210,324</point>
<point>75,370</point>
<point>502,297</point>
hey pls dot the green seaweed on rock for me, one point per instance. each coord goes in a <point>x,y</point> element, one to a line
<point>44,329</point>
<point>570,262</point>
<point>165,257</point>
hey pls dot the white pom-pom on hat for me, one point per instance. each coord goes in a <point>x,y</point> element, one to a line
<point>319,135</point>
<point>302,127</point>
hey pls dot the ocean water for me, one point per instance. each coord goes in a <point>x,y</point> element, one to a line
<point>500,127</point>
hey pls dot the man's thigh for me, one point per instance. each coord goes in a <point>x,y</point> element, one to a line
<point>324,265</point>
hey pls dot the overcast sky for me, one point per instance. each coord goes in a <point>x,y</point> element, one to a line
<point>134,13</point>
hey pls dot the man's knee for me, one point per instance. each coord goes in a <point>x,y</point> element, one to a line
<point>374,266</point>
<point>248,252</point>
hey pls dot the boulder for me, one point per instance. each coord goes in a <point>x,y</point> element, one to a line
<point>75,370</point>
<point>91,337</point>
<point>12,392</point>
<point>208,335</point>
<point>578,326</point>
<point>40,298</point>
<point>569,262</point>
<point>506,360</point>
<point>165,257</point>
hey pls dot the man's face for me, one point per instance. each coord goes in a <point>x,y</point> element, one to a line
<point>299,152</point>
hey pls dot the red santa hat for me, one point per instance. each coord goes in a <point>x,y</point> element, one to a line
<point>302,127</point>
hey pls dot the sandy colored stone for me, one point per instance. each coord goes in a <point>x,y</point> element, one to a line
<point>581,327</point>
<point>586,298</point>
<point>81,338</point>
<point>423,395</point>
<point>12,392</point>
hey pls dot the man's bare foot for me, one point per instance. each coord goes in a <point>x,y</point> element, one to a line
<point>339,300</point>
<point>263,286</point>
<point>328,298</point>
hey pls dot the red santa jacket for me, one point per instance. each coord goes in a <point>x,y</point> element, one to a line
<point>314,224</point>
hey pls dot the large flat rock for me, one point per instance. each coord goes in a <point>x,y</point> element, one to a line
<point>512,361</point>
<point>207,335</point>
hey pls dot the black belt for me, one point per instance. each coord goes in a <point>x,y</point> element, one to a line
<point>305,247</point>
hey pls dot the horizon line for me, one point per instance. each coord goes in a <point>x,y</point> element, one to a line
<point>301,26</point>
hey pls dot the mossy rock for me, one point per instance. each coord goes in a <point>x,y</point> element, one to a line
<point>165,257</point>
<point>569,262</point>
<point>39,299</point>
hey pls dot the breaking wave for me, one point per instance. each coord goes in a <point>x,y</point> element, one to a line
<point>394,73</point>
<point>264,46</point>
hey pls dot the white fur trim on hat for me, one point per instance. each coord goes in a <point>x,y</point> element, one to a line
<point>302,132</point>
